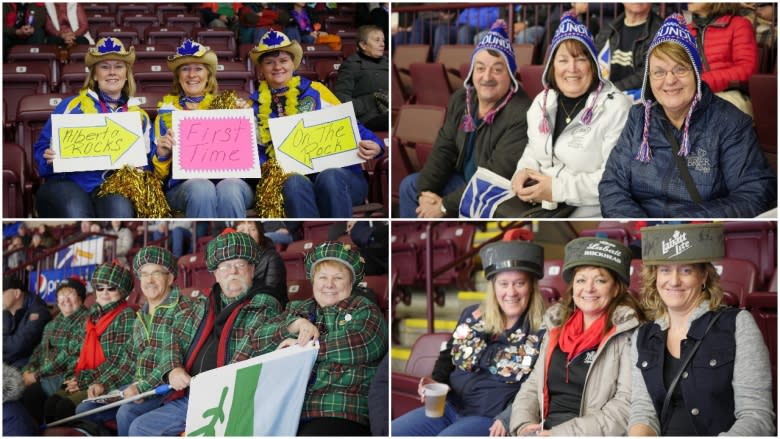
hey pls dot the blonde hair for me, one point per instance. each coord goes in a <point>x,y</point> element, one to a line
<point>330,263</point>
<point>622,298</point>
<point>656,308</point>
<point>495,320</point>
<point>128,89</point>
<point>211,82</point>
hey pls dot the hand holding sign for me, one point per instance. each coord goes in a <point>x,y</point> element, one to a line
<point>88,142</point>
<point>314,141</point>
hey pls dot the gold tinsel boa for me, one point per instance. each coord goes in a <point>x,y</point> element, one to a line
<point>269,200</point>
<point>142,188</point>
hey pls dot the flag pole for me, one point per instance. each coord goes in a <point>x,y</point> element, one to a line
<point>159,390</point>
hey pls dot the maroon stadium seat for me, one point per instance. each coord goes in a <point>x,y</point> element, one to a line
<point>20,80</point>
<point>422,358</point>
<point>738,280</point>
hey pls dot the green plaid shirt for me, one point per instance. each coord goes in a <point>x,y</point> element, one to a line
<point>353,340</point>
<point>60,346</point>
<point>117,344</point>
<point>159,340</point>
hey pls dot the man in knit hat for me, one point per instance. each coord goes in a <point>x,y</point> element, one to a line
<point>219,330</point>
<point>485,127</point>
<point>159,321</point>
<point>685,152</point>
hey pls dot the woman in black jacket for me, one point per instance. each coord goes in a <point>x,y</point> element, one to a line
<point>270,266</point>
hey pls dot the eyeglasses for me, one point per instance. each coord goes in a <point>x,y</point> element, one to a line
<point>156,275</point>
<point>678,71</point>
<point>238,266</point>
<point>105,288</point>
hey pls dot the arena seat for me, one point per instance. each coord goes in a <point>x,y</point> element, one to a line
<point>763,88</point>
<point>429,81</point>
<point>452,56</point>
<point>181,20</point>
<point>222,42</point>
<point>524,54</point>
<point>417,128</point>
<point>738,280</point>
<point>46,54</point>
<point>17,182</point>
<point>453,241</point>
<point>169,36</point>
<point>140,23</point>
<point>293,258</point>
<point>73,77</point>
<point>314,54</point>
<point>127,35</point>
<point>170,9</point>
<point>100,20</point>
<point>157,53</point>
<point>755,241</point>
<point>406,250</point>
<point>20,80</point>
<point>149,101</point>
<point>234,76</point>
<point>531,79</point>
<point>422,358</point>
<point>96,8</point>
<point>299,289</point>
<point>152,76</point>
<point>316,231</point>
<point>553,278</point>
<point>133,9</point>
<point>399,97</point>
<point>404,56</point>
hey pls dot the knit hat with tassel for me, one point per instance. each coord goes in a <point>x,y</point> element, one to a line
<point>570,29</point>
<point>673,30</point>
<point>496,39</point>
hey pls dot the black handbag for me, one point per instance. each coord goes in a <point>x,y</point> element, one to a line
<point>517,208</point>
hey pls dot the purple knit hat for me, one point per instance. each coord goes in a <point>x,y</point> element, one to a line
<point>673,30</point>
<point>496,39</point>
<point>570,29</point>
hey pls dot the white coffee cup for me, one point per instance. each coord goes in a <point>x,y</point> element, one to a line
<point>435,397</point>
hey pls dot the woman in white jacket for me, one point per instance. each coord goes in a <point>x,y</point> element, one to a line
<point>572,126</point>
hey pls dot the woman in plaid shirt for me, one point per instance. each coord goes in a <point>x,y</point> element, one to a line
<point>107,343</point>
<point>58,351</point>
<point>353,339</point>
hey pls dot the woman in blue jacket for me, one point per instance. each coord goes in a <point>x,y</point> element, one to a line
<point>327,194</point>
<point>686,152</point>
<point>109,88</point>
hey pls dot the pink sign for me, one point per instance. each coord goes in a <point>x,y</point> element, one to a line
<point>215,144</point>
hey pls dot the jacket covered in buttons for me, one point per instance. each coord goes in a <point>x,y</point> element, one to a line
<point>726,386</point>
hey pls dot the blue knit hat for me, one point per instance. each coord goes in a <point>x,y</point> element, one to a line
<point>496,39</point>
<point>673,30</point>
<point>570,29</point>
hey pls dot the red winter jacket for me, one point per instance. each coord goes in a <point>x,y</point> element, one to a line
<point>730,52</point>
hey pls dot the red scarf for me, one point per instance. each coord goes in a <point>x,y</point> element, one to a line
<point>91,355</point>
<point>575,339</point>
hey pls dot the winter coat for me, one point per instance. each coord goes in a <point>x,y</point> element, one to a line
<point>725,162</point>
<point>727,385</point>
<point>497,147</point>
<point>86,102</point>
<point>576,160</point>
<point>271,272</point>
<point>17,421</point>
<point>359,77</point>
<point>60,346</point>
<point>606,395</point>
<point>611,33</point>
<point>484,370</point>
<point>728,50</point>
<point>23,330</point>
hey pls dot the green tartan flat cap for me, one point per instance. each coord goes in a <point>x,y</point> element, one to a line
<point>336,251</point>
<point>232,245</point>
<point>115,276</point>
<point>682,243</point>
<point>154,255</point>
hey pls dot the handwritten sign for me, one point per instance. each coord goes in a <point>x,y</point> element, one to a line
<point>215,144</point>
<point>312,142</point>
<point>88,142</point>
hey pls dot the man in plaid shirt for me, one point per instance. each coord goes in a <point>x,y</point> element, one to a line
<point>159,340</point>
<point>220,330</point>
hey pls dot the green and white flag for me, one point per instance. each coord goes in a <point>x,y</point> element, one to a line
<point>262,396</point>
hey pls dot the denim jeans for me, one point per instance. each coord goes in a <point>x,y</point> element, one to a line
<point>415,423</point>
<point>202,198</point>
<point>60,197</point>
<point>408,193</point>
<point>328,194</point>
<point>125,414</point>
<point>168,420</point>
<point>180,239</point>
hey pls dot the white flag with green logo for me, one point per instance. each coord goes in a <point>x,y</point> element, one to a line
<point>261,396</point>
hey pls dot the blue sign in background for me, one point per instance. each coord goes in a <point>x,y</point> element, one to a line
<point>45,283</point>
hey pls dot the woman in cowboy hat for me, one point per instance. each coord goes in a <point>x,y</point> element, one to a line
<point>108,88</point>
<point>582,386</point>
<point>353,340</point>
<point>332,192</point>
<point>194,68</point>
<point>701,369</point>
<point>492,351</point>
